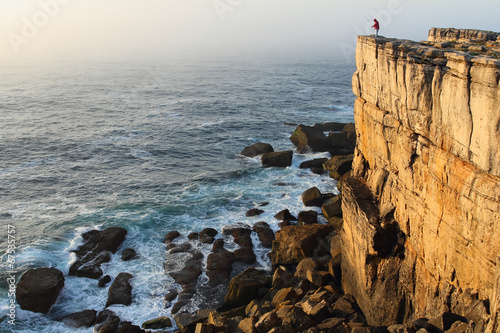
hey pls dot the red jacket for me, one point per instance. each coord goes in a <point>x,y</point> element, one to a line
<point>376,25</point>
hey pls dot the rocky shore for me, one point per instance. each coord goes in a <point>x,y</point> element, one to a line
<point>410,244</point>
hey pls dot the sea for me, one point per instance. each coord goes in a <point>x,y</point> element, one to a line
<point>152,147</point>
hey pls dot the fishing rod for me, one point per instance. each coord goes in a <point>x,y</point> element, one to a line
<point>360,11</point>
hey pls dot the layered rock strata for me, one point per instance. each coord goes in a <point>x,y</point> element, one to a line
<point>422,208</point>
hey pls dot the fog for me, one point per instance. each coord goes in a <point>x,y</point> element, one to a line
<point>110,30</point>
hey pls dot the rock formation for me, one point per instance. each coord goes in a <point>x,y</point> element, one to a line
<point>421,210</point>
<point>39,288</point>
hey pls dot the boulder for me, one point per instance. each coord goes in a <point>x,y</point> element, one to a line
<point>84,318</point>
<point>129,328</point>
<point>106,322</point>
<point>298,319</point>
<point>318,278</point>
<point>285,215</point>
<point>157,323</point>
<point>103,281</point>
<point>294,243</point>
<point>332,207</point>
<point>307,264</point>
<point>191,270</point>
<point>193,236</point>
<point>343,142</point>
<point>281,159</point>
<point>38,289</point>
<point>207,235</point>
<point>316,163</point>
<point>128,254</point>
<point>257,149</point>
<point>307,138</point>
<point>245,287</point>
<point>312,197</point>
<point>344,307</point>
<point>96,250</point>
<point>339,165</point>
<point>120,291</point>
<point>247,325</point>
<point>283,278</point>
<point>267,322</point>
<point>254,212</point>
<point>283,295</point>
<point>265,233</point>
<point>171,236</point>
<point>308,217</point>
<point>246,255</point>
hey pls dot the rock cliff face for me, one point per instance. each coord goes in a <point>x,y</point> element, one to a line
<point>421,231</point>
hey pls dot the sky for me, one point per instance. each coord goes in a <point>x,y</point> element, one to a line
<point>109,30</point>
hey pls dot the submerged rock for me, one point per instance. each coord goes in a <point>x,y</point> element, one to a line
<point>128,254</point>
<point>257,149</point>
<point>39,288</point>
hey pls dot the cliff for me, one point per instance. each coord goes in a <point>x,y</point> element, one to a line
<point>422,208</point>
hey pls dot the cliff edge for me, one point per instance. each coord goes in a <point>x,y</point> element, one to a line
<point>421,232</point>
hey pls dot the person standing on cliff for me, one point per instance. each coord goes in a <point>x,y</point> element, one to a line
<point>376,26</point>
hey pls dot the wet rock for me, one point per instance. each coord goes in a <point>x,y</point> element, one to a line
<point>332,207</point>
<point>312,197</point>
<point>128,254</point>
<point>265,233</point>
<point>193,236</point>
<point>285,215</point>
<point>278,159</point>
<point>316,163</point>
<point>171,236</point>
<point>103,281</point>
<point>246,255</point>
<point>169,297</point>
<point>254,212</point>
<point>106,322</point>
<point>339,166</point>
<point>96,250</point>
<point>245,287</point>
<point>308,217</point>
<point>257,149</point>
<point>207,235</point>
<point>191,271</point>
<point>129,328</point>
<point>295,243</point>
<point>309,138</point>
<point>220,260</point>
<point>179,248</point>
<point>157,323</point>
<point>84,318</point>
<point>120,291</point>
<point>38,289</point>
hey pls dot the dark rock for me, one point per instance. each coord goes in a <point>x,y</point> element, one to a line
<point>179,248</point>
<point>339,165</point>
<point>265,233</point>
<point>278,159</point>
<point>295,243</point>
<point>316,163</point>
<point>344,307</point>
<point>188,322</point>
<point>221,260</point>
<point>343,142</point>
<point>257,149</point>
<point>332,207</point>
<point>318,171</point>
<point>171,236</point>
<point>244,287</point>
<point>120,291</point>
<point>170,296</point>
<point>312,197</point>
<point>96,250</point>
<point>207,235</point>
<point>282,278</point>
<point>285,215</point>
<point>246,255</point>
<point>129,328</point>
<point>103,281</point>
<point>308,217</point>
<point>218,245</point>
<point>157,323</point>
<point>84,318</point>
<point>284,224</point>
<point>39,288</point>
<point>307,138</point>
<point>307,264</point>
<point>446,320</point>
<point>191,271</point>
<point>254,212</point>
<point>106,322</point>
<point>298,319</point>
<point>193,236</point>
<point>128,254</point>
<point>242,237</point>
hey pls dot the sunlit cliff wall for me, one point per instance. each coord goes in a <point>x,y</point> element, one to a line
<point>421,229</point>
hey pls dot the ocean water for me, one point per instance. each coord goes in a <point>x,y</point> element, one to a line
<point>150,147</point>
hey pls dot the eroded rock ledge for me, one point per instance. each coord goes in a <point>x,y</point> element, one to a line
<point>422,209</point>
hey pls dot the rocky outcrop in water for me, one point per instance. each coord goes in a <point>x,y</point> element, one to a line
<point>39,288</point>
<point>421,210</point>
